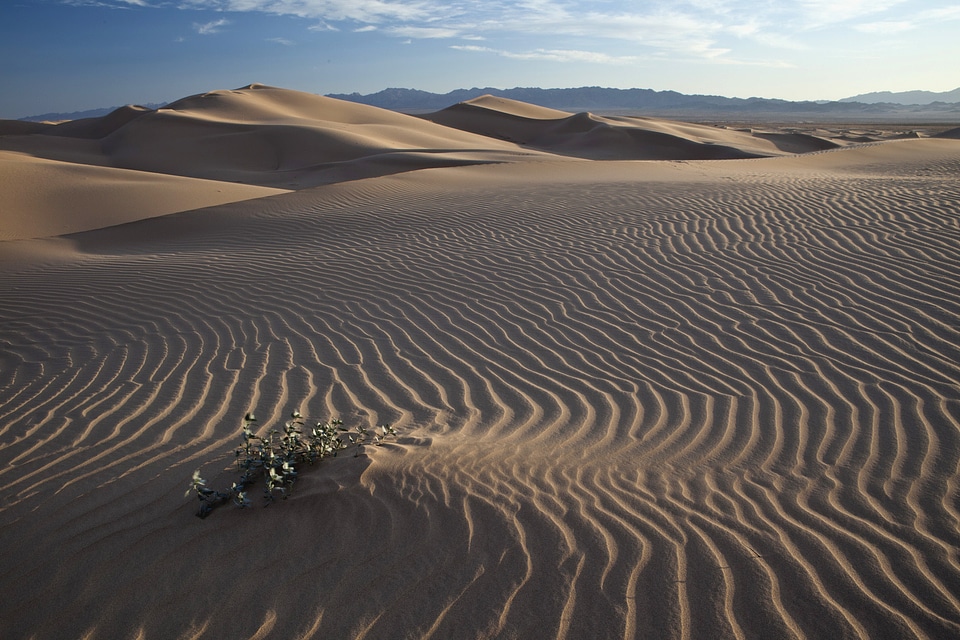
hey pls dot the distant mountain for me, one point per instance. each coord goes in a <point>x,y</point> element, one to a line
<point>944,107</point>
<point>579,99</point>
<point>79,115</point>
<point>906,97</point>
<point>650,102</point>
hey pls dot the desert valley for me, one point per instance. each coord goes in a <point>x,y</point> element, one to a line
<point>649,378</point>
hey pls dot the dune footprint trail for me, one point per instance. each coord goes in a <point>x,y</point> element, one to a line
<point>683,401</point>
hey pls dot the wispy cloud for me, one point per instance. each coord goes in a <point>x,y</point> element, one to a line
<point>322,26</point>
<point>283,41</point>
<point>107,4</point>
<point>820,13</point>
<point>704,29</point>
<point>768,36</point>
<point>770,64</point>
<point>596,57</point>
<point>912,21</point>
<point>423,32</point>
<point>886,26</point>
<point>209,28</point>
<point>552,55</point>
<point>366,11</point>
<point>943,13</point>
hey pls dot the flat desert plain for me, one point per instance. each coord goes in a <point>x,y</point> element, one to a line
<point>650,379</point>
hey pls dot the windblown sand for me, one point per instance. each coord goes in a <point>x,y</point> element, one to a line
<point>657,399</point>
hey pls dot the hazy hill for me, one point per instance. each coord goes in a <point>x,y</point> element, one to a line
<point>908,106</point>
<point>906,97</point>
<point>575,99</point>
<point>582,98</point>
<point>78,115</point>
<point>656,103</point>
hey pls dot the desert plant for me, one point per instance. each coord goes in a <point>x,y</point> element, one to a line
<point>276,456</point>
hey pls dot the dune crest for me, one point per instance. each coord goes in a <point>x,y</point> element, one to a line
<point>287,140</point>
<point>585,135</point>
<point>262,136</point>
<point>210,149</point>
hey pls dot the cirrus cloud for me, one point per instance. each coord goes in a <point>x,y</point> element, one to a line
<point>703,29</point>
<point>552,55</point>
<point>209,28</point>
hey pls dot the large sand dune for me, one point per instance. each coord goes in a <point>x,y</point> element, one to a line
<point>697,399</point>
<point>585,135</point>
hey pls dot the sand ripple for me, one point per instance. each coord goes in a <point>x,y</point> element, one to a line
<point>725,404</point>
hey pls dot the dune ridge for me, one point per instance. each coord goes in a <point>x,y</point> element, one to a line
<point>258,135</point>
<point>44,198</point>
<point>636,399</point>
<point>585,135</point>
<point>280,139</point>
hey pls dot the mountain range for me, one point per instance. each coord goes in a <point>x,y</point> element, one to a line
<point>913,105</point>
<point>906,97</point>
<point>657,103</point>
<point>88,113</point>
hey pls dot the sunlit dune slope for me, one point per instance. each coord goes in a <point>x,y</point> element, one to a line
<point>137,162</point>
<point>586,135</point>
<point>207,149</point>
<point>264,136</point>
<point>42,198</point>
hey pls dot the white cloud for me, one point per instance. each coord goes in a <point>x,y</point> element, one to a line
<point>744,29</point>
<point>423,32</point>
<point>820,13</point>
<point>688,29</point>
<point>473,47</point>
<point>106,4</point>
<point>552,55</point>
<point>886,26</point>
<point>691,29</point>
<point>367,11</point>
<point>283,41</point>
<point>767,36</point>
<point>209,28</point>
<point>941,14</point>
<point>911,22</point>
<point>771,64</point>
<point>572,55</point>
<point>322,26</point>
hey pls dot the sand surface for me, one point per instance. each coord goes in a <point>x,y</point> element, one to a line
<point>672,398</point>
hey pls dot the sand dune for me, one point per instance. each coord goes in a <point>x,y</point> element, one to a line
<point>636,399</point>
<point>262,136</point>
<point>281,139</point>
<point>43,198</point>
<point>121,167</point>
<point>586,135</point>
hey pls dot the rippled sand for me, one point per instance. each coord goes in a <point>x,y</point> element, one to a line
<point>635,399</point>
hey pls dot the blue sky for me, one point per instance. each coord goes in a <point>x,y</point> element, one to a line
<point>66,55</point>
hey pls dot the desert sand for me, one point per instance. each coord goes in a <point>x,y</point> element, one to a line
<point>651,379</point>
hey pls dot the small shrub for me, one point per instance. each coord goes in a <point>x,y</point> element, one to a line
<point>276,457</point>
